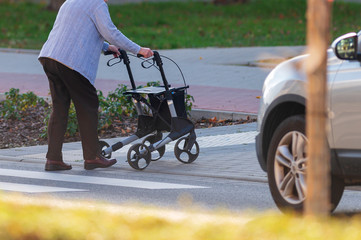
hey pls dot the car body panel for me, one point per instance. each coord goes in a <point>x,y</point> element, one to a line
<point>346,106</point>
<point>288,83</point>
<point>279,82</point>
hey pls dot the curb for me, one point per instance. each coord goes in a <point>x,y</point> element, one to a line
<point>197,114</point>
<point>19,50</point>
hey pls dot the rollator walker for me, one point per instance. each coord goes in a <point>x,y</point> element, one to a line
<point>166,113</point>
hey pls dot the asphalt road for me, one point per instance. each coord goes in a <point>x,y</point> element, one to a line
<point>119,185</point>
<point>122,186</point>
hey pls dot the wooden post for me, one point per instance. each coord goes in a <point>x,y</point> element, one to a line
<point>318,168</point>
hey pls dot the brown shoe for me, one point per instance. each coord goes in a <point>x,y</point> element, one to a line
<point>98,162</point>
<point>52,165</point>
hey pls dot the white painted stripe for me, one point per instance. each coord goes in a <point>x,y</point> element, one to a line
<point>28,188</point>
<point>94,180</point>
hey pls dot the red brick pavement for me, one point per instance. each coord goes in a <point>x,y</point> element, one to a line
<point>206,97</point>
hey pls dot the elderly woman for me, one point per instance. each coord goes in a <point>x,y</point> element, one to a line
<point>70,59</point>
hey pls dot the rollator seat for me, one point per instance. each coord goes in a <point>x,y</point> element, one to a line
<point>148,90</point>
<point>156,90</point>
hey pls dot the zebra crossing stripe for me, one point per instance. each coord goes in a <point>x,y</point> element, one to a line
<point>29,188</point>
<point>94,180</point>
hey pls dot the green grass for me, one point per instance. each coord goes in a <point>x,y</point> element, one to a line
<point>186,24</point>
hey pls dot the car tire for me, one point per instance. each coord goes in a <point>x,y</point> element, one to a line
<point>287,175</point>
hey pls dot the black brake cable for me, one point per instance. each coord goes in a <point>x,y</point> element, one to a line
<point>152,64</point>
<point>180,70</point>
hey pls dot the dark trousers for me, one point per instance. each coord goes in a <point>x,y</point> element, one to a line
<point>65,85</point>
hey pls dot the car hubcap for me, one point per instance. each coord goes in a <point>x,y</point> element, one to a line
<point>290,167</point>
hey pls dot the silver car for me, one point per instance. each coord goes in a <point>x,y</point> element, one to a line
<point>282,143</point>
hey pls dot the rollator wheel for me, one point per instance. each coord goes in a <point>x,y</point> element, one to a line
<point>139,156</point>
<point>182,154</point>
<point>158,153</point>
<point>102,146</point>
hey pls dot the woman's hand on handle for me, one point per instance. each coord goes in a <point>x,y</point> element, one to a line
<point>115,50</point>
<point>145,52</point>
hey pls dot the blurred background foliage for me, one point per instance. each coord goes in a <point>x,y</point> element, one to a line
<point>185,24</point>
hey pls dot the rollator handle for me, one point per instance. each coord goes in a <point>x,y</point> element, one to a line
<point>108,52</point>
<point>112,53</point>
<point>125,57</point>
<point>159,63</point>
<point>158,59</point>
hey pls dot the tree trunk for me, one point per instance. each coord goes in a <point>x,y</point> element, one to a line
<point>54,5</point>
<point>318,166</point>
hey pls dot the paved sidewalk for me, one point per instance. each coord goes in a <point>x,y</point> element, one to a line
<point>225,152</point>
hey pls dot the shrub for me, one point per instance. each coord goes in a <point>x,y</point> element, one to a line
<point>15,104</point>
<point>115,106</point>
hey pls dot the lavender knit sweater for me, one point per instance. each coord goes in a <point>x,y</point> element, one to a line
<point>78,36</point>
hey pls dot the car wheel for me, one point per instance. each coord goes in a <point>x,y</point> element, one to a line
<point>287,164</point>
